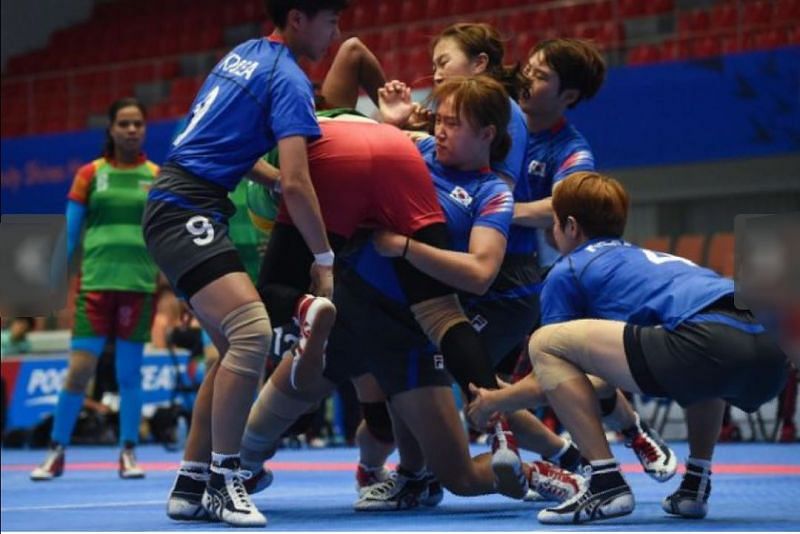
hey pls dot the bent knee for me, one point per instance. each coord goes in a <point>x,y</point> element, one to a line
<point>249,334</point>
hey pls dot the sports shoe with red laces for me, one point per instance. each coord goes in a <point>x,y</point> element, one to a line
<point>509,474</point>
<point>657,459</point>
<point>315,317</point>
<point>366,477</point>
<point>554,483</point>
<point>52,467</point>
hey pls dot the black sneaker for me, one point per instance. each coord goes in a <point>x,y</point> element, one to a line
<point>435,491</point>
<point>606,495</point>
<point>226,499</point>
<point>185,498</point>
<point>691,498</point>
<point>401,491</point>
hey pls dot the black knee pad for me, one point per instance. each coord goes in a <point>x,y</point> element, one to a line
<point>378,421</point>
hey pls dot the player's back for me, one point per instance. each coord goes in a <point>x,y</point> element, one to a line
<point>620,281</point>
<point>255,95</point>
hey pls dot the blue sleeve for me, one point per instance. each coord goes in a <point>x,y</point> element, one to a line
<point>76,213</point>
<point>513,164</point>
<point>292,107</point>
<point>561,298</point>
<point>427,146</point>
<point>495,207</point>
<point>575,159</point>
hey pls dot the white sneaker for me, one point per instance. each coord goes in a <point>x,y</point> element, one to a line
<point>509,475</point>
<point>657,459</point>
<point>398,492</point>
<point>315,317</point>
<point>52,467</point>
<point>366,478</point>
<point>554,483</point>
<point>592,505</point>
<point>128,468</point>
<point>226,499</point>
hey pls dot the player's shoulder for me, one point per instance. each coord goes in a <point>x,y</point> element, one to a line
<point>88,170</point>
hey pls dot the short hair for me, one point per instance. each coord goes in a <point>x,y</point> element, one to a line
<point>482,101</point>
<point>578,63</point>
<point>475,38</point>
<point>278,10</point>
<point>598,203</point>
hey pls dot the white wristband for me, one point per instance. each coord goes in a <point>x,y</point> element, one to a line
<point>324,259</point>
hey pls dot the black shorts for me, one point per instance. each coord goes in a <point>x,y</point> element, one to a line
<point>721,352</point>
<point>377,335</point>
<point>505,315</point>
<point>185,225</point>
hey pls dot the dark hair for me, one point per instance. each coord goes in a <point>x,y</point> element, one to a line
<point>477,38</point>
<point>482,101</point>
<point>108,151</point>
<point>278,10</point>
<point>598,203</point>
<point>578,63</point>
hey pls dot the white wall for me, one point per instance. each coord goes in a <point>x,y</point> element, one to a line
<point>27,24</point>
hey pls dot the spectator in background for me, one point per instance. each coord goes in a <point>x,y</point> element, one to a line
<point>14,339</point>
<point>117,282</point>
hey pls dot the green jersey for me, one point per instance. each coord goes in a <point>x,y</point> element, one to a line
<point>114,254</point>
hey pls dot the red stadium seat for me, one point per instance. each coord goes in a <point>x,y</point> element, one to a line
<point>364,15</point>
<point>632,8</point>
<point>601,11</point>
<point>412,11</point>
<point>706,47</point>
<point>724,15</point>
<point>655,7</point>
<point>691,247</point>
<point>757,13</point>
<point>573,14</point>
<point>388,13</point>
<point>721,254</point>
<point>643,54</point>
<point>787,11</point>
<point>462,7</point>
<point>657,243</point>
<point>694,22</point>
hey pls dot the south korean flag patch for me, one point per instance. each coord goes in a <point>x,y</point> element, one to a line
<point>460,195</point>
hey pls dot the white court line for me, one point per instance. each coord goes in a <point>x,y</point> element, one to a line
<point>123,504</point>
<point>80,506</point>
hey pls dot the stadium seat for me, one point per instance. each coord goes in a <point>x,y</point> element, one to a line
<point>657,243</point>
<point>412,11</point>
<point>721,253</point>
<point>691,247</point>
<point>757,13</point>
<point>724,15</point>
<point>643,54</point>
<point>693,22</point>
<point>388,13</point>
<point>787,10</point>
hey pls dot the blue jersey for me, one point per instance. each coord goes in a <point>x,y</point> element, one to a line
<point>615,280</point>
<point>514,164</point>
<point>256,95</point>
<point>551,156</point>
<point>468,199</point>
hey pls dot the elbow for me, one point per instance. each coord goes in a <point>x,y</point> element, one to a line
<point>481,284</point>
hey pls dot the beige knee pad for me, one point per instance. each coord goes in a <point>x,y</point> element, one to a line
<point>249,335</point>
<point>548,350</point>
<point>271,415</point>
<point>436,316</point>
<point>82,366</point>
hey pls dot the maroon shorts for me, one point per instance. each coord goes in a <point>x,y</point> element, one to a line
<point>369,175</point>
